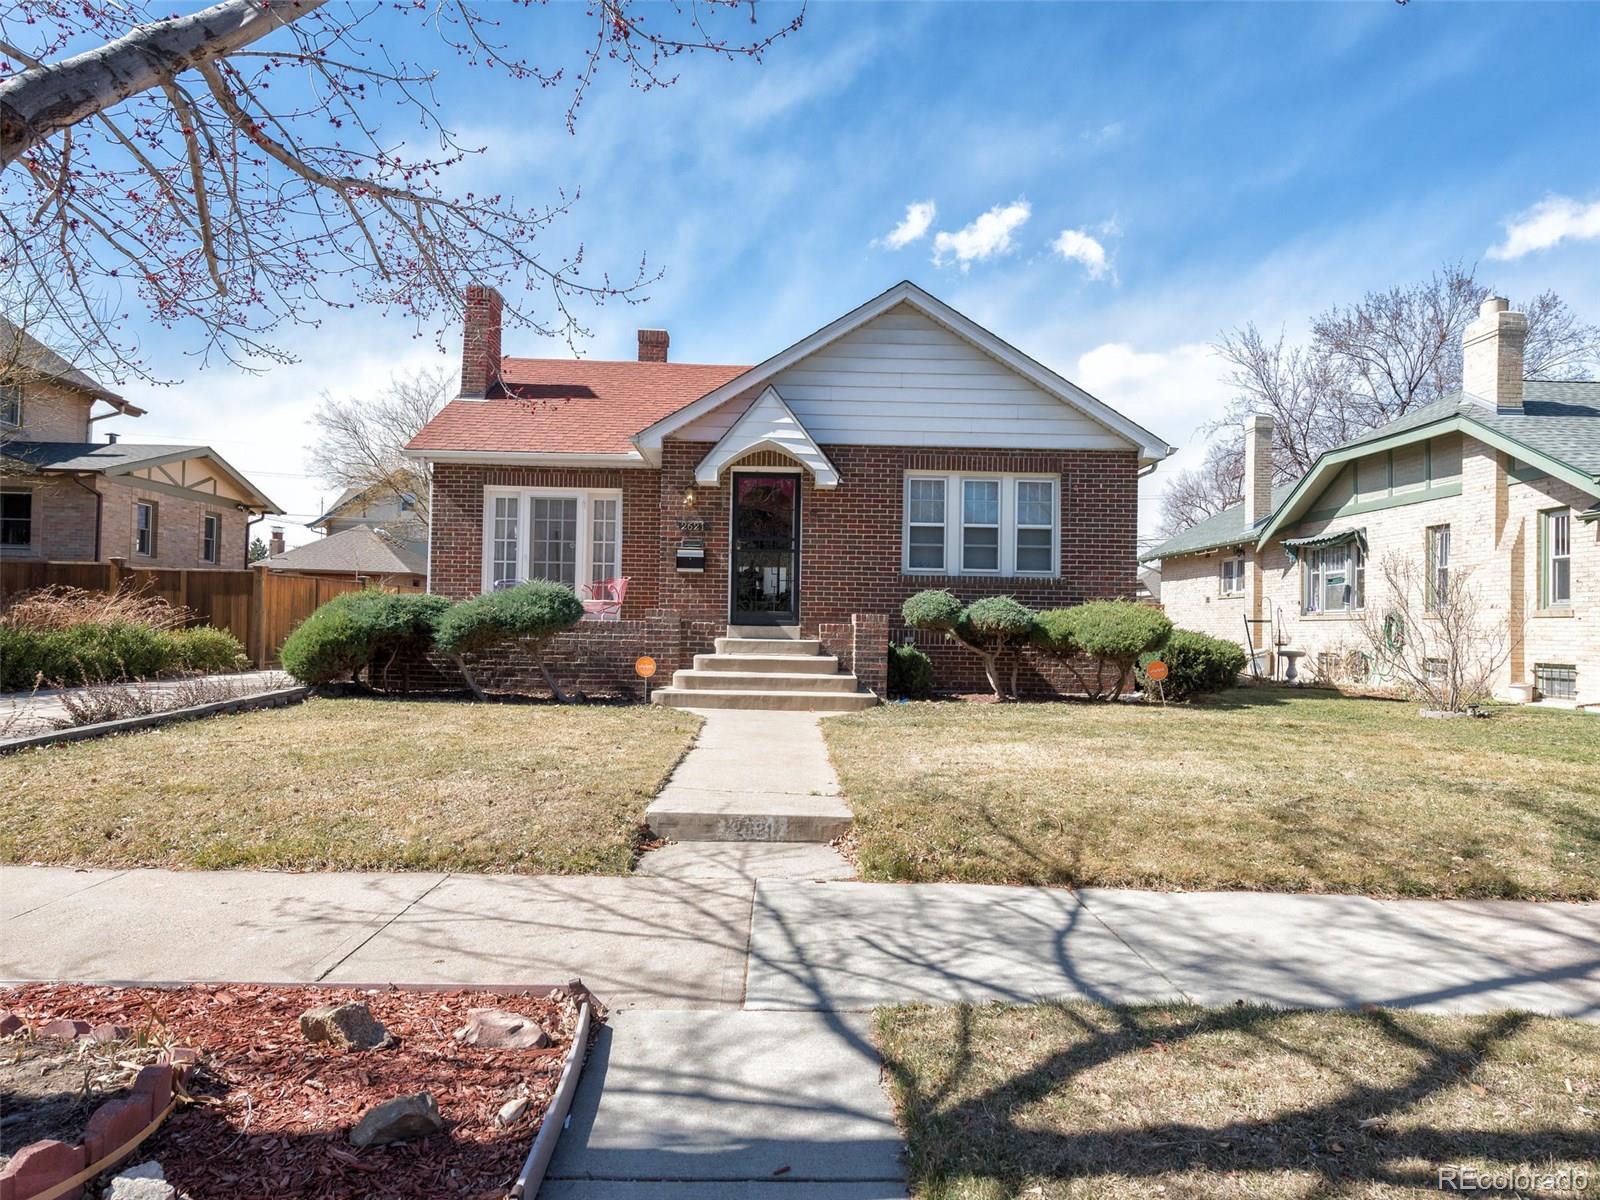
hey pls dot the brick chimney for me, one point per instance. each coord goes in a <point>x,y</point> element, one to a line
<point>1491,355</point>
<point>480,341</point>
<point>1257,468</point>
<point>275,542</point>
<point>653,345</point>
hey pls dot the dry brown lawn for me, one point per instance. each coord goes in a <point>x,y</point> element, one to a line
<point>359,784</point>
<point>1082,1102</point>
<point>1260,789</point>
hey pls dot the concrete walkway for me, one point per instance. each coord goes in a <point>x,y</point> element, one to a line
<point>33,712</point>
<point>738,1061</point>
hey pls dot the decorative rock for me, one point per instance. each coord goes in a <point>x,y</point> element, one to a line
<point>10,1023</point>
<point>110,1033</point>
<point>511,1111</point>
<point>64,1030</point>
<point>398,1120</point>
<point>147,1181</point>
<point>350,1025</point>
<point>494,1028</point>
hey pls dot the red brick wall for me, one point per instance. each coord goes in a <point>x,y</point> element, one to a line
<point>850,550</point>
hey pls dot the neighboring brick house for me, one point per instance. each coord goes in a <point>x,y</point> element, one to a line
<point>900,447</point>
<point>66,498</point>
<point>1501,478</point>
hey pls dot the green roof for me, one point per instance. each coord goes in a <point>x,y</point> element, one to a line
<point>1560,420</point>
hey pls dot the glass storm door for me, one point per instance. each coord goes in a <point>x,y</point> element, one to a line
<point>766,550</point>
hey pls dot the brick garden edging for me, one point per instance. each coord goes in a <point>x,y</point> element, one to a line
<point>78,733</point>
<point>52,1169</point>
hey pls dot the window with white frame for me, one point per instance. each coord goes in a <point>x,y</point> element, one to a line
<point>1555,554</point>
<point>1335,578</point>
<point>1438,566</point>
<point>564,536</point>
<point>210,537</point>
<point>1232,574</point>
<point>10,404</point>
<point>961,524</point>
<point>144,528</point>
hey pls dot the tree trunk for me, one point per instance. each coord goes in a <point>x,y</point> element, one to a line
<point>461,665</point>
<point>43,100</point>
<point>991,671</point>
<point>1016,662</point>
<point>536,649</point>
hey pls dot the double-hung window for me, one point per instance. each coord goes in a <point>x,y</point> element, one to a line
<point>16,519</point>
<point>1335,578</point>
<point>10,404</point>
<point>1232,575</point>
<point>210,537</point>
<point>1555,558</point>
<point>570,537</point>
<point>144,528</point>
<point>1438,581</point>
<point>961,524</point>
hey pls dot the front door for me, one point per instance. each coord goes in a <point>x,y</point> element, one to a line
<point>765,558</point>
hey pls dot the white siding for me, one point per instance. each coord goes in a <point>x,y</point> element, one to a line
<point>904,380</point>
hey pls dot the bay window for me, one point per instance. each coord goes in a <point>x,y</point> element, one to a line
<point>555,534</point>
<point>960,524</point>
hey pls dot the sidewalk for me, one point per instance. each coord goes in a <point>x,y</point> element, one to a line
<point>793,945</point>
<point>32,712</point>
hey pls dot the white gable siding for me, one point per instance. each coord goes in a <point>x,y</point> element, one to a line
<point>902,379</point>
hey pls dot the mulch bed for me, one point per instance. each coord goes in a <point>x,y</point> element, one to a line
<point>272,1111</point>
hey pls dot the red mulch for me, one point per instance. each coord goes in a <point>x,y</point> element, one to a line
<point>273,1110</point>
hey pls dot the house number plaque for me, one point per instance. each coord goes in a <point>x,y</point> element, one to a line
<point>692,525</point>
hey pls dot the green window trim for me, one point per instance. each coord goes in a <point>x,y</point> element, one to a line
<point>1555,558</point>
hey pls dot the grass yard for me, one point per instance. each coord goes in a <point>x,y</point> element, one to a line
<point>358,784</point>
<point>1259,789</point>
<point>1080,1101</point>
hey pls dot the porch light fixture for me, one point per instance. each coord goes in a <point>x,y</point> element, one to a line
<point>688,498</point>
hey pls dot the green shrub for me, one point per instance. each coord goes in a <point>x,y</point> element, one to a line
<point>528,614</point>
<point>83,654</point>
<point>350,633</point>
<point>1113,633</point>
<point>1197,664</point>
<point>207,650</point>
<point>910,672</point>
<point>988,627</point>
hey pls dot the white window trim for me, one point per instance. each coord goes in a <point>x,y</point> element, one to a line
<point>1352,572</point>
<point>1222,575</point>
<point>955,507</point>
<point>155,537</point>
<point>524,495</point>
<point>216,546</point>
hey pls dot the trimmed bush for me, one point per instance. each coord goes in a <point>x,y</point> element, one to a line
<point>1114,633</point>
<point>349,633</point>
<point>1197,664</point>
<point>83,654</point>
<point>988,627</point>
<point>529,614</point>
<point>910,672</point>
<point>207,650</point>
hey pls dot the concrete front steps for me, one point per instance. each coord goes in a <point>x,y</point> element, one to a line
<point>780,672</point>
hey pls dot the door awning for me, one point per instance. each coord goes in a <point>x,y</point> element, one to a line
<point>768,424</point>
<point>1332,538</point>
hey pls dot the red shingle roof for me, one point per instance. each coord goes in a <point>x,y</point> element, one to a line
<point>570,406</point>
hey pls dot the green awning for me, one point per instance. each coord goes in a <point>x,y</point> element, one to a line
<point>1333,538</point>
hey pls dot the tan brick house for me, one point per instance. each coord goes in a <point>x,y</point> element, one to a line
<point>66,498</point>
<point>1502,478</point>
<point>782,512</point>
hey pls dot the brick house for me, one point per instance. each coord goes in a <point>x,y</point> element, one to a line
<point>65,498</point>
<point>1501,478</point>
<point>782,512</point>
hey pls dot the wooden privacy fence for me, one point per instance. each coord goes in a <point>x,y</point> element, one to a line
<point>258,607</point>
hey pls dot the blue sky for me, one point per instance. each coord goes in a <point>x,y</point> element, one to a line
<point>1153,175</point>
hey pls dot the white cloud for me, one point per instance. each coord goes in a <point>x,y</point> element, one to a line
<point>988,236</point>
<point>1077,245</point>
<point>1554,219</point>
<point>919,216</point>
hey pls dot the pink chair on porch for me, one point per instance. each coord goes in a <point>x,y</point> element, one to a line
<point>602,599</point>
